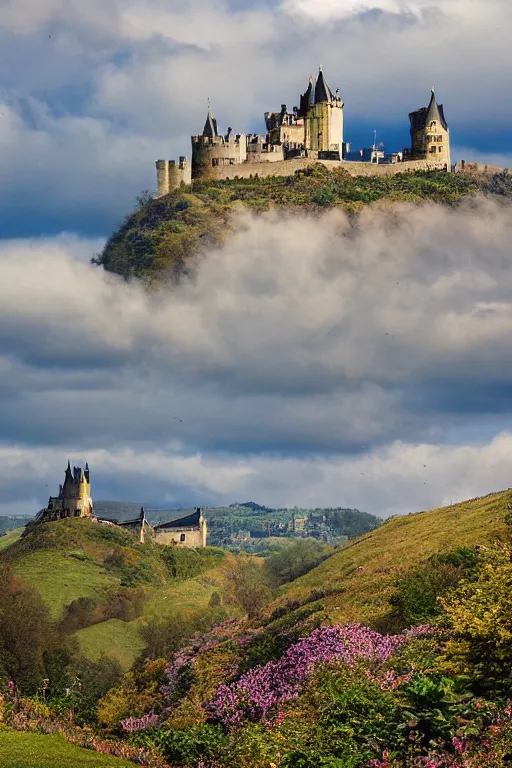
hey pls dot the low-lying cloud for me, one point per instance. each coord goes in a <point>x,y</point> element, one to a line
<point>308,362</point>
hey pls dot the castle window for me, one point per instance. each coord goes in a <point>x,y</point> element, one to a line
<point>182,537</point>
<point>432,149</point>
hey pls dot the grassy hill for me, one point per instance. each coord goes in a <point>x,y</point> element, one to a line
<point>358,581</point>
<point>163,236</point>
<point>103,584</point>
<point>34,750</point>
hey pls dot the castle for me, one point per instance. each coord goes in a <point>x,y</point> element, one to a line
<point>312,132</point>
<point>74,500</point>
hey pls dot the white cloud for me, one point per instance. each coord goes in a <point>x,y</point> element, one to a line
<point>306,363</point>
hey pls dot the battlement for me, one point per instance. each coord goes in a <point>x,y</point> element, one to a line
<point>217,141</point>
<point>171,175</point>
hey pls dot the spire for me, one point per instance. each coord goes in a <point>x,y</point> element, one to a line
<point>69,475</point>
<point>322,90</point>
<point>210,126</point>
<point>435,112</point>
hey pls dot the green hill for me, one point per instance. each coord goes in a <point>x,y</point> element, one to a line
<point>164,235</point>
<point>102,585</point>
<point>357,582</point>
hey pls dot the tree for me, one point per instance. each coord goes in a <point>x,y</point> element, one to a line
<point>248,585</point>
<point>26,633</point>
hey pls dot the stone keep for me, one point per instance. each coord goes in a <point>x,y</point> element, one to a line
<point>430,135</point>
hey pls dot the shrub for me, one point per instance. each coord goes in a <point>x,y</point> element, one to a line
<point>247,583</point>
<point>193,747</point>
<point>294,560</point>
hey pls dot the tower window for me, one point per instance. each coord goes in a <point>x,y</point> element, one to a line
<point>182,537</point>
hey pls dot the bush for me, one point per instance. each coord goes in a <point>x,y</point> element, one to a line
<point>192,747</point>
<point>416,600</point>
<point>294,560</point>
<point>248,585</point>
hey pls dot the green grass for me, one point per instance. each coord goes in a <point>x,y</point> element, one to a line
<point>33,750</point>
<point>9,538</point>
<point>60,578</point>
<point>362,574</point>
<point>116,639</point>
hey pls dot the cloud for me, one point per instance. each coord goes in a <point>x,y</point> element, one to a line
<point>309,361</point>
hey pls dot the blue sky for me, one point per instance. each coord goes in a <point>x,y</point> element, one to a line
<point>390,399</point>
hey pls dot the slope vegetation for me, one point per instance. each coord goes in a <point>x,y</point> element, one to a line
<point>356,584</point>
<point>101,585</point>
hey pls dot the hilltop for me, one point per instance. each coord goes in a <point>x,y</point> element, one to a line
<point>163,237</point>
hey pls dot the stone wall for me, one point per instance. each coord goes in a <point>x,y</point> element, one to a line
<point>192,538</point>
<point>288,168</point>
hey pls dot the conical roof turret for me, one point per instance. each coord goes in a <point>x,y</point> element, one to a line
<point>210,126</point>
<point>322,90</point>
<point>435,112</point>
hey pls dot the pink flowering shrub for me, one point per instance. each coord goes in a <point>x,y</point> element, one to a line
<point>263,688</point>
<point>132,724</point>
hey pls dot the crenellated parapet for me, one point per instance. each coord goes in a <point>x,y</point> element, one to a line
<point>210,152</point>
<point>171,175</point>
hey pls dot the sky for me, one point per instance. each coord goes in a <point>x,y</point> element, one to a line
<point>306,364</point>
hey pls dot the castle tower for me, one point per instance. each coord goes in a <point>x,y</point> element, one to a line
<point>430,134</point>
<point>211,151</point>
<point>203,528</point>
<point>170,175</point>
<point>323,124</point>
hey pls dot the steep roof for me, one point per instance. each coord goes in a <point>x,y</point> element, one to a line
<point>191,520</point>
<point>307,99</point>
<point>210,126</point>
<point>322,90</point>
<point>424,116</point>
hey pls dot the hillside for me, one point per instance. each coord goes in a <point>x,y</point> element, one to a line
<point>103,586</point>
<point>358,581</point>
<point>163,236</point>
<point>291,681</point>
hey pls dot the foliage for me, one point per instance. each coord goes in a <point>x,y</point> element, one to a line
<point>136,695</point>
<point>184,563</point>
<point>247,583</point>
<point>500,184</point>
<point>194,746</point>
<point>294,560</point>
<point>416,600</point>
<point>480,612</point>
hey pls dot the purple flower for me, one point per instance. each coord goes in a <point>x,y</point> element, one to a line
<point>263,688</point>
